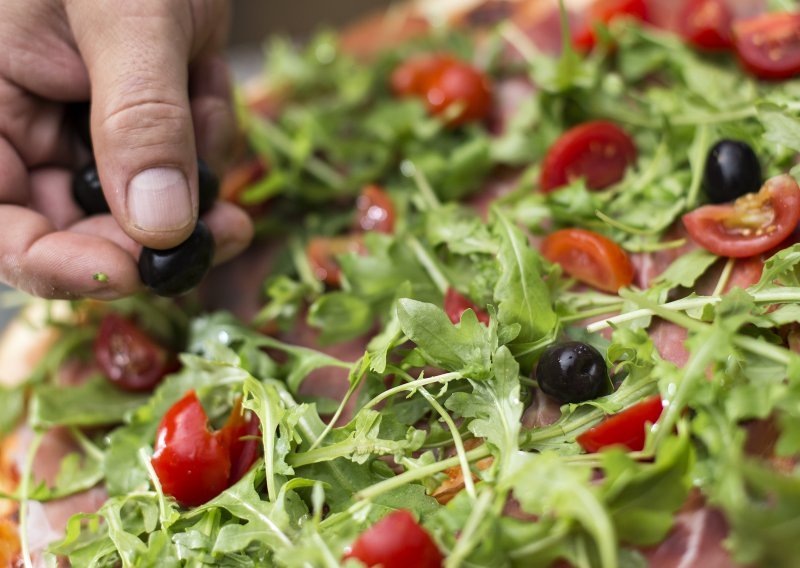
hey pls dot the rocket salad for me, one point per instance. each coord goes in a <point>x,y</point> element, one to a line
<point>560,348</point>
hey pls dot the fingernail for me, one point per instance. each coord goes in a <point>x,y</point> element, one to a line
<point>159,200</point>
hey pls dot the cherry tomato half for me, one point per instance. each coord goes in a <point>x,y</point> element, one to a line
<point>128,357</point>
<point>241,436</point>
<point>322,253</point>
<point>707,24</point>
<point>604,12</point>
<point>192,463</point>
<point>752,224</point>
<point>413,76</point>
<point>375,210</point>
<point>444,82</point>
<point>599,151</point>
<point>627,428</point>
<point>455,304</point>
<point>769,45</point>
<point>396,541</point>
<point>589,257</point>
<point>458,84</point>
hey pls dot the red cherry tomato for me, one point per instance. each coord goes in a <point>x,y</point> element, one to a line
<point>604,12</point>
<point>599,151</point>
<point>455,304</point>
<point>241,436</point>
<point>322,252</point>
<point>192,463</point>
<point>375,210</point>
<point>707,24</point>
<point>589,257</point>
<point>627,428</point>
<point>769,45</point>
<point>130,358</point>
<point>412,77</point>
<point>752,224</point>
<point>458,84</point>
<point>396,541</point>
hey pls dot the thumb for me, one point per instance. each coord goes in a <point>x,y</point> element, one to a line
<point>137,56</point>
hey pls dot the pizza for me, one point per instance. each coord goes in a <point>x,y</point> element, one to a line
<point>524,292</point>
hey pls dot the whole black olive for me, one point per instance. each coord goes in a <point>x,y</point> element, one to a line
<point>732,170</point>
<point>87,191</point>
<point>572,372</point>
<point>208,185</point>
<point>175,271</point>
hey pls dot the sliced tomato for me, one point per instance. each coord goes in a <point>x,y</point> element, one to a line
<point>413,76</point>
<point>193,464</point>
<point>707,24</point>
<point>322,253</point>
<point>599,151</point>
<point>396,541</point>
<point>769,45</point>
<point>375,210</point>
<point>241,436</point>
<point>604,12</point>
<point>752,224</point>
<point>128,357</point>
<point>627,428</point>
<point>456,304</point>
<point>589,257</point>
<point>462,86</point>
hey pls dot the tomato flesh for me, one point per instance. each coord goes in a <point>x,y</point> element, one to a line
<point>456,304</point>
<point>413,76</point>
<point>768,46</point>
<point>752,224</point>
<point>604,12</point>
<point>589,257</point>
<point>445,84</point>
<point>396,541</point>
<point>627,428</point>
<point>459,85</point>
<point>707,24</point>
<point>241,436</point>
<point>128,357</point>
<point>192,463</point>
<point>322,252</point>
<point>375,210</point>
<point>599,151</point>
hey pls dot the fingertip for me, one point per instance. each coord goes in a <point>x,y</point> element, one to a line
<point>232,228</point>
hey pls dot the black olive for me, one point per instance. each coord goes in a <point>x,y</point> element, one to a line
<point>732,170</point>
<point>208,184</point>
<point>87,191</point>
<point>77,116</point>
<point>175,271</point>
<point>572,372</point>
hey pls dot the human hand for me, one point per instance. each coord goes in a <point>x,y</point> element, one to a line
<point>160,96</point>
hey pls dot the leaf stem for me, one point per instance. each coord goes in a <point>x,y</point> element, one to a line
<point>24,492</point>
<point>429,263</point>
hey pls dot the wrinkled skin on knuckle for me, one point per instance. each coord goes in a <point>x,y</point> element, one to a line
<point>147,119</point>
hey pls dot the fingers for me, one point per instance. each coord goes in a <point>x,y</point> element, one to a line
<point>60,264</point>
<point>137,55</point>
<point>232,229</point>
<point>212,111</point>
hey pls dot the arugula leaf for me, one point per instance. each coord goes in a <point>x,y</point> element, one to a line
<point>466,346</point>
<point>340,316</point>
<point>521,294</point>
<point>494,407</point>
<point>95,402</point>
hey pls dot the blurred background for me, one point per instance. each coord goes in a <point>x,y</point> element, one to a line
<point>254,20</point>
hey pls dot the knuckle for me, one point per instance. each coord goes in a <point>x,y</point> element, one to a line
<point>147,118</point>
